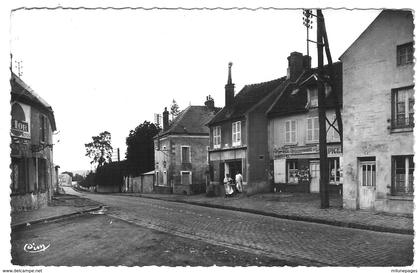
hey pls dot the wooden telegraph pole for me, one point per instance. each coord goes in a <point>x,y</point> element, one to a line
<point>322,78</point>
<point>323,159</point>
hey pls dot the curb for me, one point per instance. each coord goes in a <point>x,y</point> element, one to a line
<point>292,217</point>
<point>58,217</point>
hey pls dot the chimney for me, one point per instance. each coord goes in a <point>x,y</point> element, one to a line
<point>209,102</point>
<point>229,88</point>
<point>307,62</point>
<point>295,68</point>
<point>165,119</point>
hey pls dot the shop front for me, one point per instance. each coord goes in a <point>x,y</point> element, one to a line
<point>297,169</point>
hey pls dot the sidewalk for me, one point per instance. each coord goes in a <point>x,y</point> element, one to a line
<point>298,206</point>
<point>61,206</point>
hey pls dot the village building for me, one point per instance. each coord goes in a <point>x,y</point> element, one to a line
<point>32,168</point>
<point>238,132</point>
<point>64,179</point>
<point>293,129</point>
<point>378,88</point>
<point>181,160</point>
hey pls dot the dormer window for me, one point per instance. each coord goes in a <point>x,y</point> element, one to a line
<point>313,97</point>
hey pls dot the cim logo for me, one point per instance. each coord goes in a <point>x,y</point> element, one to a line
<point>33,248</point>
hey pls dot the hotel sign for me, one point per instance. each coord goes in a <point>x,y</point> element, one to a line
<point>21,121</point>
<point>288,151</point>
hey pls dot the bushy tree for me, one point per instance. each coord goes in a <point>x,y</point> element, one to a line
<point>100,149</point>
<point>140,150</point>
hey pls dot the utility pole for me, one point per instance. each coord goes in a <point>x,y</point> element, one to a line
<point>322,79</point>
<point>323,159</point>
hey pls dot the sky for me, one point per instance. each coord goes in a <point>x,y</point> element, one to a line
<point>113,69</point>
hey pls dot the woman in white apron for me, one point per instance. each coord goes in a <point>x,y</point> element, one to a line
<point>228,187</point>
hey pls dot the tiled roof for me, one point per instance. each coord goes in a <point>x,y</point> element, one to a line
<point>24,93</point>
<point>294,97</point>
<point>192,121</point>
<point>249,96</point>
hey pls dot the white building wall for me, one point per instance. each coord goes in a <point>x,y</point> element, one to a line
<point>370,73</point>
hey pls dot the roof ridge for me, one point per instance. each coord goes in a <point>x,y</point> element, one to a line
<point>261,83</point>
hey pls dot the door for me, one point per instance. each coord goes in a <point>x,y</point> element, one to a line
<point>165,179</point>
<point>279,170</point>
<point>314,171</point>
<point>367,180</point>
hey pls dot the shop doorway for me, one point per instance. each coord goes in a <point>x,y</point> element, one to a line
<point>314,171</point>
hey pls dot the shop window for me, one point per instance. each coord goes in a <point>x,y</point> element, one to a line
<point>334,170</point>
<point>292,171</point>
<point>217,137</point>
<point>18,175</point>
<point>402,175</point>
<point>185,154</point>
<point>405,54</point>
<point>403,108</point>
<point>312,131</point>
<point>291,131</point>
<point>236,133</point>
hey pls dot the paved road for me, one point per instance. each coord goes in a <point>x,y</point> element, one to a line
<point>300,242</point>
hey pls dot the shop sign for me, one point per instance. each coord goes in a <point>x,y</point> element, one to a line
<point>21,120</point>
<point>285,152</point>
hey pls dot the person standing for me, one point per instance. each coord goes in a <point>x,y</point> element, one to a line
<point>228,188</point>
<point>238,180</point>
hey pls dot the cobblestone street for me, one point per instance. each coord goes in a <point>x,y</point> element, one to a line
<point>298,242</point>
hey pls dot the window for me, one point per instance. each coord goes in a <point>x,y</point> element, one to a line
<point>236,133</point>
<point>334,170</point>
<point>368,173</point>
<point>217,139</point>
<point>292,171</point>
<point>313,97</point>
<point>42,174</point>
<point>186,178</point>
<point>332,134</point>
<point>402,175</point>
<point>42,128</point>
<point>403,108</point>
<point>312,132</point>
<point>291,131</point>
<point>405,54</point>
<point>185,154</point>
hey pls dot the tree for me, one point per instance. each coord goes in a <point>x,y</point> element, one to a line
<point>100,149</point>
<point>174,111</point>
<point>140,149</point>
<point>77,177</point>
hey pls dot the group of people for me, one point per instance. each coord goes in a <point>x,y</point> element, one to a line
<point>232,187</point>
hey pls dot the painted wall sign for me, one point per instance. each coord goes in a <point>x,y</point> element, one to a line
<point>21,120</point>
<point>285,152</point>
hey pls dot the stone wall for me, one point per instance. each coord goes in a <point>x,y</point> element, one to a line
<point>29,201</point>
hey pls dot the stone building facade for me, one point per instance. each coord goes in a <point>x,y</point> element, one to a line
<point>378,88</point>
<point>181,162</point>
<point>32,169</point>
